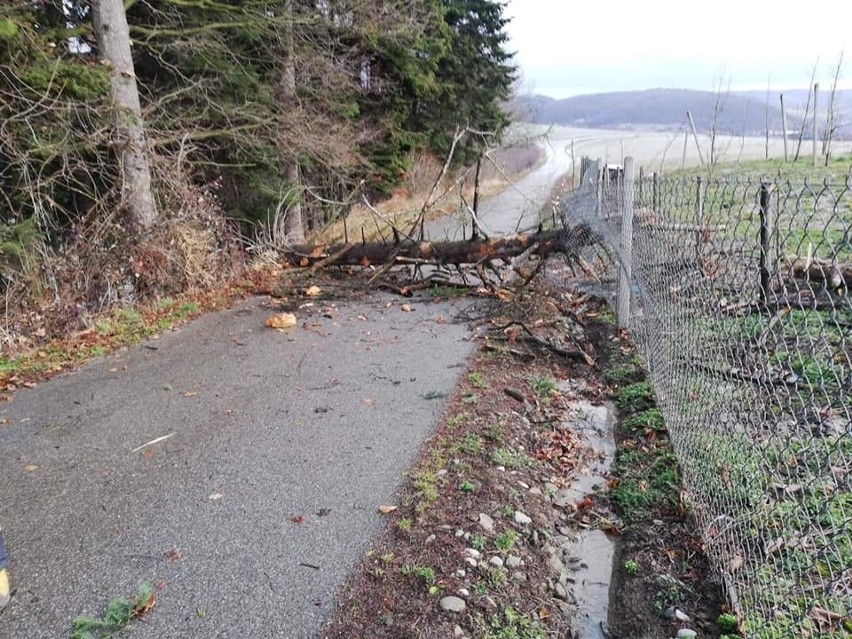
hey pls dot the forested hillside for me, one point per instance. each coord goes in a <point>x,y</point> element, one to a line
<point>133,133</point>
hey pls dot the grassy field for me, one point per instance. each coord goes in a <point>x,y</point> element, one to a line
<point>757,397</point>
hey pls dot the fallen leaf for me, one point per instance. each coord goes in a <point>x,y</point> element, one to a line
<point>113,370</point>
<point>281,321</point>
<point>736,563</point>
<point>368,401</point>
<point>190,393</point>
<point>30,468</point>
<point>313,291</point>
<point>406,308</point>
<point>30,384</point>
<point>386,510</point>
<point>148,453</point>
<point>215,497</point>
<point>174,555</point>
<point>298,519</point>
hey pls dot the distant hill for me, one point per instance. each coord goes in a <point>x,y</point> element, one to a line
<point>665,109</point>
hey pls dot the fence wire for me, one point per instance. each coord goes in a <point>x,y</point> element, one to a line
<point>740,307</point>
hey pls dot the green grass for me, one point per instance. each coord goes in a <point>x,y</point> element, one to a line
<point>508,624</point>
<point>636,397</point>
<point>116,616</point>
<point>511,458</point>
<point>505,541</point>
<point>543,386</point>
<point>470,444</point>
<point>477,380</point>
<point>425,573</point>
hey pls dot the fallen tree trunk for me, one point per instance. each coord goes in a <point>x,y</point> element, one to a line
<point>472,251</point>
<point>830,274</point>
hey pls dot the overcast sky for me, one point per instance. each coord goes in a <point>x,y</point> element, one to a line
<point>571,47</point>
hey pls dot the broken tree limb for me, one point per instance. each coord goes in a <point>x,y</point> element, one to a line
<point>440,253</point>
<point>832,274</point>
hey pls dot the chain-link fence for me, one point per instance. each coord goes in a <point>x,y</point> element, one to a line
<point>740,307</point>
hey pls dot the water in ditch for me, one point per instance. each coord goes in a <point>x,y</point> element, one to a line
<point>590,553</point>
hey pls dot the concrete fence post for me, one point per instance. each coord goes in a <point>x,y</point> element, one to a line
<point>626,270</point>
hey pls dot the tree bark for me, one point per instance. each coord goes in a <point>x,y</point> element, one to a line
<point>441,253</point>
<point>110,25</point>
<point>292,224</point>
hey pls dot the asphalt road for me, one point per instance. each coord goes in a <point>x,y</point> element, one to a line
<point>251,513</point>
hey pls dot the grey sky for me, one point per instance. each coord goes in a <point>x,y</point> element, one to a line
<point>567,48</point>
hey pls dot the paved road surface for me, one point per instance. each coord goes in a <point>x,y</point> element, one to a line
<point>319,423</point>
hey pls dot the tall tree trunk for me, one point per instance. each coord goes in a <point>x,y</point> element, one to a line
<point>110,25</point>
<point>293,225</point>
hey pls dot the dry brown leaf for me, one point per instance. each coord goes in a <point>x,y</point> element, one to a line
<point>174,555</point>
<point>215,497</point>
<point>113,370</point>
<point>148,453</point>
<point>281,321</point>
<point>406,308</point>
<point>368,401</point>
<point>313,291</point>
<point>30,468</point>
<point>190,393</point>
<point>736,563</point>
<point>386,510</point>
<point>29,384</point>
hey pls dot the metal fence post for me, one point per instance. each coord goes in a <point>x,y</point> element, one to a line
<point>764,243</point>
<point>626,271</point>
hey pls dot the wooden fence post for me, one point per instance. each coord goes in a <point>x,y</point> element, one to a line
<point>599,188</point>
<point>626,270</point>
<point>816,122</point>
<point>699,216</point>
<point>764,242</point>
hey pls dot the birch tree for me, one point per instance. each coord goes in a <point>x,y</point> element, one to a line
<point>109,23</point>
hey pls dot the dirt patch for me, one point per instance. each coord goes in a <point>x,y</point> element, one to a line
<point>472,544</point>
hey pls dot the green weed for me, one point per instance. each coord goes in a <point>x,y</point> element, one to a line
<point>117,615</point>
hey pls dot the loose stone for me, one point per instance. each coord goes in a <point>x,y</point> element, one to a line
<point>452,604</point>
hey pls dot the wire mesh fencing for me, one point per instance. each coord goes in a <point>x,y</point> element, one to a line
<point>740,306</point>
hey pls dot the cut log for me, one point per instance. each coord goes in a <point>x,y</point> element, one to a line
<point>441,253</point>
<point>831,274</point>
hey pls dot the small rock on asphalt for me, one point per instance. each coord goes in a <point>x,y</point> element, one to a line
<point>522,519</point>
<point>452,604</point>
